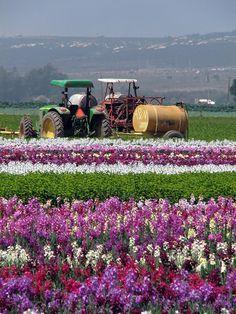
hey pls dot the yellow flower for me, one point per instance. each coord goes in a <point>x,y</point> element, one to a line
<point>191,233</point>
<point>212,225</point>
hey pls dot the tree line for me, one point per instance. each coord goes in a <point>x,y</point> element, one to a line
<point>34,85</point>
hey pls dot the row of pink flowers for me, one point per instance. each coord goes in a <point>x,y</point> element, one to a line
<point>99,154</point>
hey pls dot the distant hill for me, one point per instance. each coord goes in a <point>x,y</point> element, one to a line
<point>76,54</point>
<point>180,68</point>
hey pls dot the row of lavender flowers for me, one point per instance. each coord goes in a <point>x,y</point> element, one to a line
<point>118,256</point>
<point>90,152</point>
<point>116,156</point>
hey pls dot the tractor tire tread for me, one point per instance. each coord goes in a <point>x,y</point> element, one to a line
<point>26,128</point>
<point>58,123</point>
<point>106,129</point>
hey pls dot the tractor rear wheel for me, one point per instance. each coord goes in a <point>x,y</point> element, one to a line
<point>52,125</point>
<point>102,127</point>
<point>26,128</point>
<point>173,134</point>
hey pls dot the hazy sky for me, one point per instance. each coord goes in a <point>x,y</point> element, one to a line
<point>152,18</point>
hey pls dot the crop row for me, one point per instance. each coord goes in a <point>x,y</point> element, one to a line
<point>101,186</point>
<point>118,157</point>
<point>23,168</point>
<point>100,154</point>
<point>118,256</point>
<point>65,143</point>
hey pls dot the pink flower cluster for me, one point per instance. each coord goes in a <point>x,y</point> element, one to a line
<point>116,256</point>
<point>99,154</point>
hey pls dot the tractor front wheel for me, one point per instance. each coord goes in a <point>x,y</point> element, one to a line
<point>26,128</point>
<point>102,127</point>
<point>52,125</point>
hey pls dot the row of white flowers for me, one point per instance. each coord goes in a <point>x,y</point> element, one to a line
<point>156,142</point>
<point>27,167</point>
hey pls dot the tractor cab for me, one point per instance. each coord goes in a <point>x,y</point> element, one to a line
<point>77,115</point>
<point>120,106</point>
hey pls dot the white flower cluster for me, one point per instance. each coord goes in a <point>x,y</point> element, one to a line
<point>77,251</point>
<point>48,252</point>
<point>157,253</point>
<point>179,256</point>
<point>223,267</point>
<point>23,168</point>
<point>222,247</point>
<point>132,245</point>
<point>156,142</point>
<point>197,249</point>
<point>92,257</point>
<point>14,255</point>
<point>107,258</point>
<point>77,255</point>
<point>198,254</point>
<point>212,259</point>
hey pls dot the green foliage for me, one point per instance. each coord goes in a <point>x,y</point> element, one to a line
<point>102,186</point>
<point>212,128</point>
<point>12,122</point>
<point>19,105</point>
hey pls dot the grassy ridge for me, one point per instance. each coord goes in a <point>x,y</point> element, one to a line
<point>212,128</point>
<point>202,128</point>
<point>102,186</point>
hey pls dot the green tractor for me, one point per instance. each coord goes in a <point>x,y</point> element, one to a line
<point>79,115</point>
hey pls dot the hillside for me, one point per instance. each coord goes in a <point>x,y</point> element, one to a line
<point>196,64</point>
<point>74,54</point>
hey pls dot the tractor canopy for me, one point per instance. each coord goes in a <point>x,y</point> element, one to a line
<point>115,80</point>
<point>72,83</point>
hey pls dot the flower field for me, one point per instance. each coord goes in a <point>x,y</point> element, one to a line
<point>97,253</point>
<point>118,256</point>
